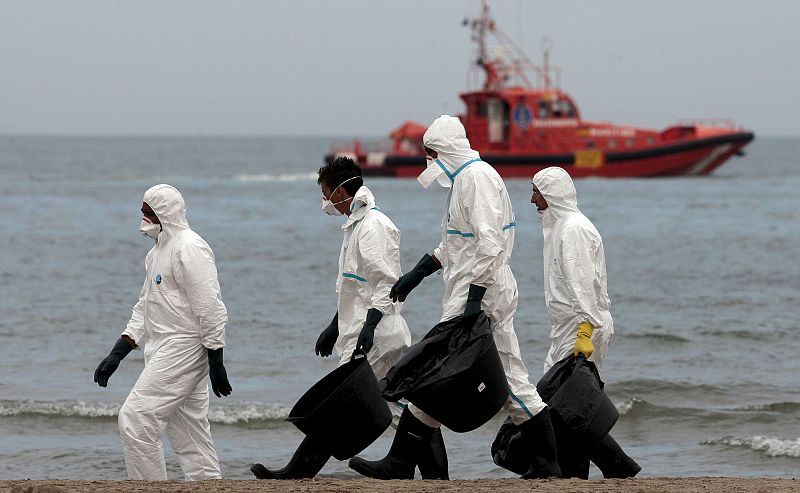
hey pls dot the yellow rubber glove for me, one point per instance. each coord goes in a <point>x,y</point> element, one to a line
<point>583,342</point>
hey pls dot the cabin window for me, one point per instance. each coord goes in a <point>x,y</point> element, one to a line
<point>544,109</point>
<point>482,112</point>
<point>559,108</point>
<point>612,144</point>
<point>556,109</point>
<point>629,142</point>
<point>568,109</point>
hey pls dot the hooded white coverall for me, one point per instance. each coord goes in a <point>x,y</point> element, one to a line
<point>179,314</point>
<point>477,240</point>
<point>369,265</point>
<point>575,285</point>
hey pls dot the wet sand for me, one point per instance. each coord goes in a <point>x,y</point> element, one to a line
<point>646,485</point>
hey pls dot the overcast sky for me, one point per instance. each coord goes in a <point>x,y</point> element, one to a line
<point>346,67</point>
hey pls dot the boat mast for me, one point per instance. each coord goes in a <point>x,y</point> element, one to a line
<point>499,71</point>
<point>480,26</point>
<point>546,44</point>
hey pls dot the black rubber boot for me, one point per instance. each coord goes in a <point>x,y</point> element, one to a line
<point>613,461</point>
<point>411,440</point>
<point>307,461</point>
<point>540,441</point>
<point>433,461</point>
<point>578,470</point>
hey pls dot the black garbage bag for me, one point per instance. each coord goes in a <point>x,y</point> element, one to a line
<point>453,374</point>
<point>343,411</point>
<point>581,412</point>
<point>508,449</point>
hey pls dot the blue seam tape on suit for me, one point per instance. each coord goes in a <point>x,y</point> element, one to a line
<point>353,276</point>
<point>521,404</point>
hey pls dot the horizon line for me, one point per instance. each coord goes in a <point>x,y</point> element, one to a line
<point>247,136</point>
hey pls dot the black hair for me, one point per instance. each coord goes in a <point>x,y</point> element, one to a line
<point>337,171</point>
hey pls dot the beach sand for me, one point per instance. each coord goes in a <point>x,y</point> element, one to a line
<point>646,485</point>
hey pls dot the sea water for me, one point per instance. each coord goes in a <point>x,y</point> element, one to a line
<point>703,274</point>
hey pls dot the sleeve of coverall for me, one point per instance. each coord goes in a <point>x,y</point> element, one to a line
<point>135,328</point>
<point>196,273</point>
<point>379,248</point>
<point>438,253</point>
<point>578,269</point>
<point>484,212</point>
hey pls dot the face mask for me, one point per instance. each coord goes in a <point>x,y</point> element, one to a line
<point>433,172</point>
<point>329,207</point>
<point>149,229</point>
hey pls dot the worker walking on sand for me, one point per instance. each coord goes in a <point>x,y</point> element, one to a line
<point>366,320</point>
<point>180,320</point>
<point>576,294</point>
<point>477,240</point>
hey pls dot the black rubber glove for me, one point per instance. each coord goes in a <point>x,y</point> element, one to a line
<point>109,365</point>
<point>474,300</point>
<point>217,373</point>
<point>327,338</point>
<point>410,280</point>
<point>367,335</point>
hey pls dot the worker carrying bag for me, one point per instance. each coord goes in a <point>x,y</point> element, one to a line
<point>453,374</point>
<point>581,412</point>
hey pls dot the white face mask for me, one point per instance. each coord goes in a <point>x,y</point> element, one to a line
<point>151,230</point>
<point>329,207</point>
<point>433,172</point>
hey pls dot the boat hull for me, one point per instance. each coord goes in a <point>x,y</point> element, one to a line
<point>698,157</point>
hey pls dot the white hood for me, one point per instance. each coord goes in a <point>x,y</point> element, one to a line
<point>558,190</point>
<point>575,280</point>
<point>447,137</point>
<point>168,204</point>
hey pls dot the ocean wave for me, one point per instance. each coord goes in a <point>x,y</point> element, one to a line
<point>775,407</point>
<point>745,334</point>
<point>634,406</point>
<point>78,409</point>
<point>277,177</point>
<point>772,447</point>
<point>648,386</point>
<point>659,338</point>
<point>626,407</point>
<point>239,413</point>
<point>247,413</point>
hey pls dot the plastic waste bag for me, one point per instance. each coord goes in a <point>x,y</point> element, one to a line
<point>453,374</point>
<point>581,412</point>
<point>344,410</point>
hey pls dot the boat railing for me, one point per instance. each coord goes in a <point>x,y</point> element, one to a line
<point>360,146</point>
<point>709,122</point>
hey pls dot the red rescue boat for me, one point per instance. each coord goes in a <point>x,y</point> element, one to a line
<point>520,128</point>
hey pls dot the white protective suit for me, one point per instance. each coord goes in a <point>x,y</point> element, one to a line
<point>179,314</point>
<point>477,240</point>
<point>575,287</point>
<point>369,265</point>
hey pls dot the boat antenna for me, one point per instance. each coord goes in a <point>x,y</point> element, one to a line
<point>480,26</point>
<point>547,45</point>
